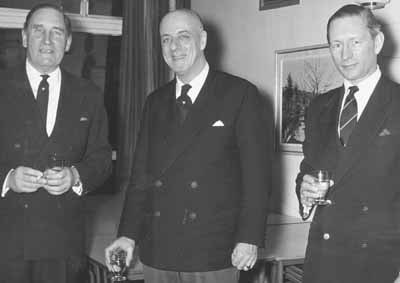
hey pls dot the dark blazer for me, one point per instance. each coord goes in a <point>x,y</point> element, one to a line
<point>39,225</point>
<point>357,238</point>
<point>199,189</point>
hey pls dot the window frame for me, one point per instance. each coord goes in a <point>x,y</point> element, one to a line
<point>11,18</point>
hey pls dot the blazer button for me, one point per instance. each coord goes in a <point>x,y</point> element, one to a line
<point>157,213</point>
<point>158,183</point>
<point>192,216</point>
<point>326,236</point>
<point>194,185</point>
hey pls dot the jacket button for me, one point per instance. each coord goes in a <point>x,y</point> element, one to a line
<point>326,236</point>
<point>158,183</point>
<point>157,213</point>
<point>192,215</point>
<point>194,185</point>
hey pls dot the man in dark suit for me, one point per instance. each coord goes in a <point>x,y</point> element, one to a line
<point>197,202</point>
<point>47,111</point>
<point>354,132</point>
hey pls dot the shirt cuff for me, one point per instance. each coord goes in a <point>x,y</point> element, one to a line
<point>77,187</point>
<point>5,189</point>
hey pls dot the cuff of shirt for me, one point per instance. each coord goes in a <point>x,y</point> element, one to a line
<point>77,187</point>
<point>5,189</point>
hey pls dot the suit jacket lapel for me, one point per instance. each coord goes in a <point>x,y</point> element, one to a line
<point>202,113</point>
<point>366,129</point>
<point>67,104</point>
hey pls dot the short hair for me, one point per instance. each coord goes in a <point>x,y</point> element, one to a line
<point>352,10</point>
<point>56,7</point>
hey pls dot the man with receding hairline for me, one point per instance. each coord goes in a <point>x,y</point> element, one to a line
<point>45,111</point>
<point>196,205</point>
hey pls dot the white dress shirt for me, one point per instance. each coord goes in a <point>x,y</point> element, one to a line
<point>196,84</point>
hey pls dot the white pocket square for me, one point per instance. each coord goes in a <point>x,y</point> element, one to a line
<point>218,123</point>
<point>385,132</point>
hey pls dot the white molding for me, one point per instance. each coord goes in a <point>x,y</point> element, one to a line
<point>106,25</point>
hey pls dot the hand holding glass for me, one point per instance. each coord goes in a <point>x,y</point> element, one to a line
<point>118,265</point>
<point>322,180</point>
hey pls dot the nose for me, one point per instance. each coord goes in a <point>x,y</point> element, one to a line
<point>174,43</point>
<point>47,37</point>
<point>347,52</point>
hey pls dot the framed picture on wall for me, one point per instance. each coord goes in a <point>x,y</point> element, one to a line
<point>272,4</point>
<point>301,74</point>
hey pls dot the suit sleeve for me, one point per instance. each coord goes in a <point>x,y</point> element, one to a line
<point>95,166</point>
<point>136,195</point>
<point>254,140</point>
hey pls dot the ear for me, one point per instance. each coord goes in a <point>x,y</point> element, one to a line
<point>203,39</point>
<point>379,40</point>
<point>68,43</point>
<point>24,38</point>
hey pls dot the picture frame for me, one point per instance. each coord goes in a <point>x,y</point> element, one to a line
<point>272,4</point>
<point>301,74</point>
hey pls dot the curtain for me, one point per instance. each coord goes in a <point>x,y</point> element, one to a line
<point>142,70</point>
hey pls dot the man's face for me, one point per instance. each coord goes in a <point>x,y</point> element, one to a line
<point>182,42</point>
<point>46,39</point>
<point>353,49</point>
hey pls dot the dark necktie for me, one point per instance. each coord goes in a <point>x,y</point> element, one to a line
<point>348,117</point>
<point>42,97</point>
<point>184,103</point>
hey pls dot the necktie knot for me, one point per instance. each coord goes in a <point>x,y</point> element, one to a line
<point>44,77</point>
<point>352,90</point>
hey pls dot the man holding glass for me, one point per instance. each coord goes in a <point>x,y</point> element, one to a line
<point>196,205</point>
<point>353,135</point>
<point>54,149</point>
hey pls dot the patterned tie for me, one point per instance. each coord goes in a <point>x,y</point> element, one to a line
<point>184,102</point>
<point>348,117</point>
<point>42,97</point>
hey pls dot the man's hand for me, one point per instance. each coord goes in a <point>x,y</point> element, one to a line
<point>397,280</point>
<point>122,243</point>
<point>244,256</point>
<point>25,180</point>
<point>58,181</point>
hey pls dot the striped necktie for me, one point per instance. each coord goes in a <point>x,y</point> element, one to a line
<point>348,117</point>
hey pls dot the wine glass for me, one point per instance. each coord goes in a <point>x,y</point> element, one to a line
<point>322,181</point>
<point>118,265</point>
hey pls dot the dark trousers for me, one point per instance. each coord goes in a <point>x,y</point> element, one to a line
<point>72,270</point>
<point>153,275</point>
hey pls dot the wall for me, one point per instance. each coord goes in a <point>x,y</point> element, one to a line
<point>243,41</point>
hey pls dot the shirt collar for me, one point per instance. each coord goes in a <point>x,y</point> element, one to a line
<point>196,84</point>
<point>367,85</point>
<point>34,76</point>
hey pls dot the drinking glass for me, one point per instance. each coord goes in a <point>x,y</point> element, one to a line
<point>118,265</point>
<point>322,181</point>
<point>55,162</point>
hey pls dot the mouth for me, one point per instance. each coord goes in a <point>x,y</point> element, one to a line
<point>46,51</point>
